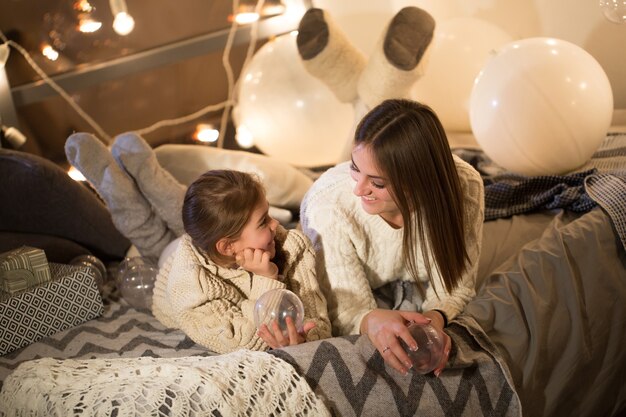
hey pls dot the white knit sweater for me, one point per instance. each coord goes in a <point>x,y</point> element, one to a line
<point>358,252</point>
<point>214,305</point>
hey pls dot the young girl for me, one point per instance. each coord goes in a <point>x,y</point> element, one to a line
<point>232,253</point>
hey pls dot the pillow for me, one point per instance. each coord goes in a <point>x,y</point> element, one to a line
<point>39,198</point>
<point>285,184</point>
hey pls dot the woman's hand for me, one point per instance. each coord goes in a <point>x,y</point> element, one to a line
<point>258,262</point>
<point>385,328</point>
<point>275,337</point>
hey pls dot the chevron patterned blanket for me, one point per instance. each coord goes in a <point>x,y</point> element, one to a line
<point>350,376</point>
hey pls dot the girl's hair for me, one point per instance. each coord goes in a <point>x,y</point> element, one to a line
<point>410,147</point>
<point>218,205</point>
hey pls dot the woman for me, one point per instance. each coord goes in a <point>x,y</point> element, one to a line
<point>403,210</point>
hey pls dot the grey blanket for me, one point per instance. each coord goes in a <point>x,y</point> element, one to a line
<point>555,310</point>
<point>353,380</point>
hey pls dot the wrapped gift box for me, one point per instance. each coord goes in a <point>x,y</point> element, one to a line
<point>23,268</point>
<point>70,298</point>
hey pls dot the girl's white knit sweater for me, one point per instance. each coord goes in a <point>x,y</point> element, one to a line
<point>214,305</point>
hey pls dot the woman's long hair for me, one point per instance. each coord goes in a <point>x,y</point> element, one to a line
<point>411,149</point>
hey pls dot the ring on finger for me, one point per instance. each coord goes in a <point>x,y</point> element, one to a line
<point>386,349</point>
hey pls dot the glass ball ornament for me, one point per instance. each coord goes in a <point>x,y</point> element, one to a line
<point>136,282</point>
<point>95,265</point>
<point>126,264</point>
<point>278,304</point>
<point>614,10</point>
<point>430,348</point>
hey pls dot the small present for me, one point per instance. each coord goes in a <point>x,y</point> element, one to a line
<point>23,268</point>
<point>70,298</point>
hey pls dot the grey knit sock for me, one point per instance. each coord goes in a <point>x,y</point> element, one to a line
<point>408,35</point>
<point>131,213</point>
<point>158,186</point>
<point>399,58</point>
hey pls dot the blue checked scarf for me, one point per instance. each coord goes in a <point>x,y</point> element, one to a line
<point>602,181</point>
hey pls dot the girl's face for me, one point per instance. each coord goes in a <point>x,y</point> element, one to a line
<point>259,232</point>
<point>372,187</point>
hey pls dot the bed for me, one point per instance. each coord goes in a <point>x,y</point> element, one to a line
<point>543,337</point>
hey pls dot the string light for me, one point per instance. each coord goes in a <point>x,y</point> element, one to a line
<point>117,7</point>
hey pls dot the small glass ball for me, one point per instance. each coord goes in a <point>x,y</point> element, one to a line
<point>278,304</point>
<point>136,282</point>
<point>430,348</point>
<point>95,265</point>
<point>614,10</point>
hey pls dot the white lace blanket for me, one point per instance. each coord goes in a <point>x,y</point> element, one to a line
<point>244,383</point>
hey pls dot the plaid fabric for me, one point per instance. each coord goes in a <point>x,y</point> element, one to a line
<point>602,181</point>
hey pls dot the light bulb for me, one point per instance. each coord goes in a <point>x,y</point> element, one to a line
<point>244,137</point>
<point>206,133</point>
<point>89,25</point>
<point>49,52</point>
<point>123,23</point>
<point>14,136</point>
<point>75,174</point>
<point>246,17</point>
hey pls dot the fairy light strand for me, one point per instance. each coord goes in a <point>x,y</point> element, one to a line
<point>232,84</point>
<point>225,105</point>
<point>57,88</point>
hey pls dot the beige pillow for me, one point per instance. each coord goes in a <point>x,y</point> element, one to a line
<point>285,184</point>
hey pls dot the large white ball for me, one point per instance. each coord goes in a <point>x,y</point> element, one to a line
<point>541,106</point>
<point>460,48</point>
<point>290,114</point>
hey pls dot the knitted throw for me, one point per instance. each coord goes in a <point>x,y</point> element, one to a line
<point>240,383</point>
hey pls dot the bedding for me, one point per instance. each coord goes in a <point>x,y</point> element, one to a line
<point>543,337</point>
<point>547,323</point>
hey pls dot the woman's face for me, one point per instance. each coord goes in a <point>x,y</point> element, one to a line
<point>259,232</point>
<point>372,187</point>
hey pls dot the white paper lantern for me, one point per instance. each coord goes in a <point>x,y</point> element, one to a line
<point>290,114</point>
<point>460,48</point>
<point>541,106</point>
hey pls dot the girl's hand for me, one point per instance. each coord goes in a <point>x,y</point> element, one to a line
<point>385,328</point>
<point>275,337</point>
<point>258,262</point>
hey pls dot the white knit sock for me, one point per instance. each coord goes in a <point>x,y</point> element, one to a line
<point>159,187</point>
<point>131,213</point>
<point>328,55</point>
